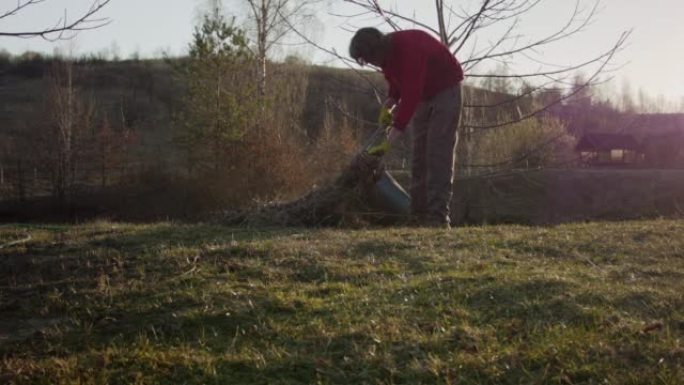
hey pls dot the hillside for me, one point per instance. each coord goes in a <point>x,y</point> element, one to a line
<point>144,94</point>
<point>147,92</point>
<point>196,304</point>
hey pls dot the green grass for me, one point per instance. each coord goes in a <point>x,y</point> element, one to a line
<point>201,304</point>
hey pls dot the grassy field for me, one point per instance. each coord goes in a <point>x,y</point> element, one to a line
<point>202,304</point>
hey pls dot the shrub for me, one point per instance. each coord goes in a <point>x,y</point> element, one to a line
<point>532,143</point>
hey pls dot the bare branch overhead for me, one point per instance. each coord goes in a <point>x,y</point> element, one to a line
<point>64,28</point>
<point>489,32</point>
<point>348,62</point>
<point>604,62</point>
<point>470,23</point>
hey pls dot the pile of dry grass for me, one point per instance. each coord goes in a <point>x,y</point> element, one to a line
<point>343,202</point>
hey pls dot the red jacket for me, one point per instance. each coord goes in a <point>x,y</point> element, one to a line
<point>417,67</point>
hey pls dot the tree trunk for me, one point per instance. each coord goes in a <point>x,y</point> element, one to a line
<point>262,49</point>
<point>21,188</point>
<point>263,74</point>
<point>103,170</point>
<point>34,182</point>
<point>216,145</point>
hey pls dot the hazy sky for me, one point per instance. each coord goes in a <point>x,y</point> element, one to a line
<point>653,59</point>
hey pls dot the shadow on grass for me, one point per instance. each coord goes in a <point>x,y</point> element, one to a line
<point>65,280</point>
<point>256,336</point>
<point>165,235</point>
<point>62,260</point>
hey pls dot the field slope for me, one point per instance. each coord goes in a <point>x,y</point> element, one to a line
<point>202,304</point>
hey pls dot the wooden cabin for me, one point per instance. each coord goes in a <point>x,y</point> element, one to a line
<point>600,150</point>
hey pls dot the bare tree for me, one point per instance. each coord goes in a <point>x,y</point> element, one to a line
<point>63,28</point>
<point>69,132</point>
<point>459,28</point>
<point>272,20</point>
<point>466,28</point>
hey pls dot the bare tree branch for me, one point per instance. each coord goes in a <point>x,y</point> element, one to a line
<point>609,55</point>
<point>531,91</point>
<point>471,27</point>
<point>562,33</point>
<point>348,62</point>
<point>471,24</point>
<point>19,7</point>
<point>488,13</point>
<point>502,39</point>
<point>373,6</point>
<point>83,23</point>
<point>273,21</point>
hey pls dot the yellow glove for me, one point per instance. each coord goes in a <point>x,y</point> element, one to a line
<point>381,145</point>
<point>385,117</point>
<point>380,149</point>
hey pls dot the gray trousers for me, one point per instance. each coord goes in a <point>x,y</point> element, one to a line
<point>435,134</point>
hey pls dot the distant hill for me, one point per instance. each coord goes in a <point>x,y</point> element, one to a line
<point>144,95</point>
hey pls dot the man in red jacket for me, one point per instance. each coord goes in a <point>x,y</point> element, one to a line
<point>425,88</point>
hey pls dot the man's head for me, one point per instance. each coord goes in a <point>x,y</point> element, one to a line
<point>368,46</point>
